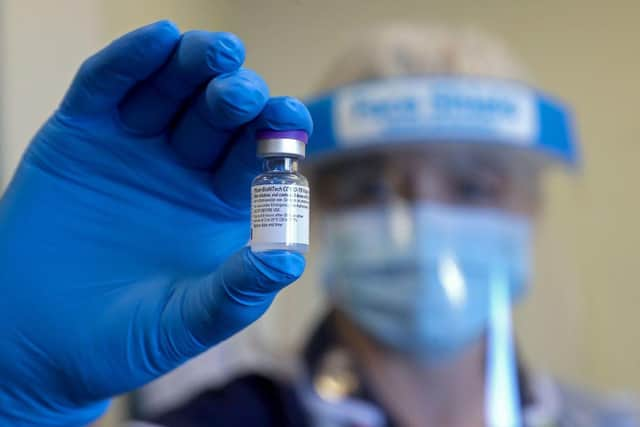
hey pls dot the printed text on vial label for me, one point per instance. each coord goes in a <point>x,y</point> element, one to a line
<point>280,213</point>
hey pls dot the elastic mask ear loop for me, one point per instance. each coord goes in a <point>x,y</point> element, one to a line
<point>502,403</point>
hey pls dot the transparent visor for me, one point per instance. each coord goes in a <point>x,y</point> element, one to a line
<point>435,283</point>
<point>426,251</point>
<point>458,174</point>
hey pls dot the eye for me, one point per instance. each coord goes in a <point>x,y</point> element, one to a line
<point>478,189</point>
<point>362,191</point>
<point>374,190</point>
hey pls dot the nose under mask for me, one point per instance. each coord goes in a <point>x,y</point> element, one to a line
<point>417,277</point>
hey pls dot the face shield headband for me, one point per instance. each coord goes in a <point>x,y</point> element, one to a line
<point>414,110</point>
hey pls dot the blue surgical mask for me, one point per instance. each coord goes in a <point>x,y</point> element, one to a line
<point>417,277</point>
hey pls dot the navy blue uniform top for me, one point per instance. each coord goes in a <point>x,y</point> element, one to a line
<point>263,401</point>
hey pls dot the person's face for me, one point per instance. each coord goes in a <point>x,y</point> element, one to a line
<point>409,295</point>
<point>463,175</point>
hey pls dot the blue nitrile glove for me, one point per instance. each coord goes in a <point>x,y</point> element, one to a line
<point>122,232</point>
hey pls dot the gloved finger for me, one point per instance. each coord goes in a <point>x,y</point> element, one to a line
<point>104,79</point>
<point>233,177</point>
<point>229,101</point>
<point>200,55</point>
<point>237,294</point>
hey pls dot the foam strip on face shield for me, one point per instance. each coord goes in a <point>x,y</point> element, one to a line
<point>415,110</point>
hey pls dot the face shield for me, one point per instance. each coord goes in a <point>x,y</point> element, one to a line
<point>428,189</point>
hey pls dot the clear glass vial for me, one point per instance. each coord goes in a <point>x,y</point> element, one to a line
<point>280,195</point>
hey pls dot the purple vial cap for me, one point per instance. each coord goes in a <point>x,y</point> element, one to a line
<point>298,135</point>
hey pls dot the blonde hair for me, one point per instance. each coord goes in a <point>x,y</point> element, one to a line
<point>409,50</point>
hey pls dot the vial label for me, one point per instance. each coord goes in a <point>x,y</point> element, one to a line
<point>280,214</point>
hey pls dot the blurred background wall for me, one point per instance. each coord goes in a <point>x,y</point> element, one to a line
<point>580,322</point>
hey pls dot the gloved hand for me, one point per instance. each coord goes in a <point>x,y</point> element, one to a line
<point>122,232</point>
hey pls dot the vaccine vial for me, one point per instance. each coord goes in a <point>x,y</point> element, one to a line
<point>280,194</point>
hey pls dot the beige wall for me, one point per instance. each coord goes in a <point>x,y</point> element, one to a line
<point>40,51</point>
<point>581,320</point>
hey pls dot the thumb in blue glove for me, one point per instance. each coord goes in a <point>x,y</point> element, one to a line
<point>122,232</point>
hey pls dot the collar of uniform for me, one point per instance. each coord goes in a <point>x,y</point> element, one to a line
<point>334,375</point>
